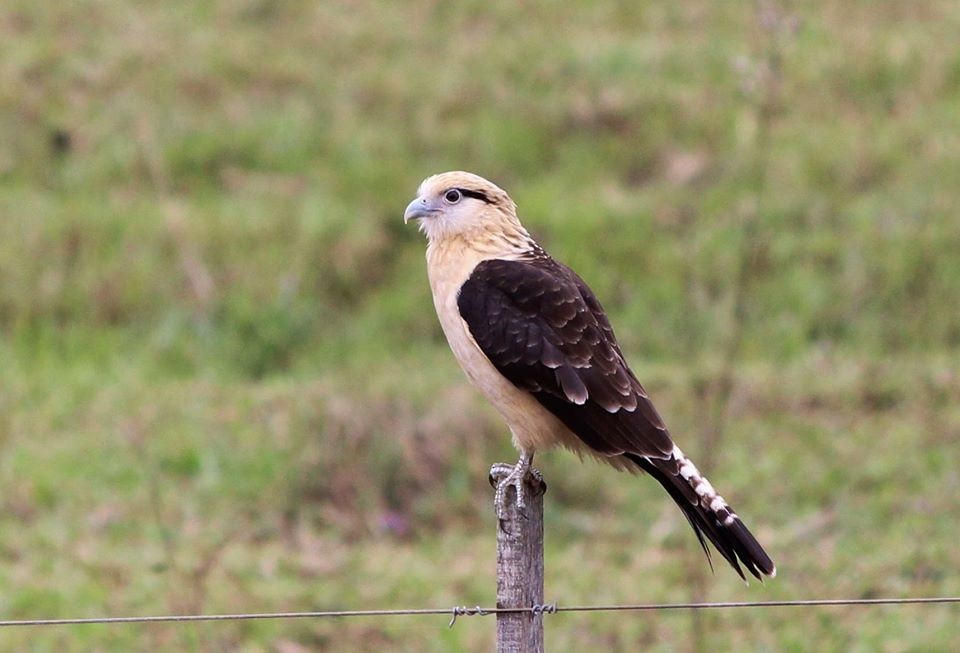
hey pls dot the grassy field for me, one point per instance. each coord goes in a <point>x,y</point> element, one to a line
<point>223,387</point>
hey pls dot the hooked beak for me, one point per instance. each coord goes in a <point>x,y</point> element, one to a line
<point>418,208</point>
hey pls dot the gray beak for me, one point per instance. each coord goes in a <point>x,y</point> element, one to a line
<point>418,208</point>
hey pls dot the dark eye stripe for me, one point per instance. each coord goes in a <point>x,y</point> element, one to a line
<point>475,194</point>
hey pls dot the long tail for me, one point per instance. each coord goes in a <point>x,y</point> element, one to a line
<point>708,513</point>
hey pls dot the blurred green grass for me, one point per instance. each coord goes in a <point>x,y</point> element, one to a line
<point>223,387</point>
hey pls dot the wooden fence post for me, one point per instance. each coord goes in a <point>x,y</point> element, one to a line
<point>520,566</point>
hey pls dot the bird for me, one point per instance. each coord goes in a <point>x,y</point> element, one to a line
<point>533,338</point>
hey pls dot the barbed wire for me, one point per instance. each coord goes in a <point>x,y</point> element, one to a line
<point>458,611</point>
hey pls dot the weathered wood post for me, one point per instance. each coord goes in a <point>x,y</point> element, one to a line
<point>520,565</point>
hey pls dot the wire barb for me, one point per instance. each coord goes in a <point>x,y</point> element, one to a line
<point>459,610</point>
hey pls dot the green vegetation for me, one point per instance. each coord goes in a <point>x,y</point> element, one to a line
<point>222,384</point>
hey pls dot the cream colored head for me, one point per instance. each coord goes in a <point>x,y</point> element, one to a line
<point>461,204</point>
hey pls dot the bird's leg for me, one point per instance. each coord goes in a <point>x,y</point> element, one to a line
<point>504,476</point>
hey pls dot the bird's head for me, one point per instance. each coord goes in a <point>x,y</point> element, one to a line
<point>461,204</point>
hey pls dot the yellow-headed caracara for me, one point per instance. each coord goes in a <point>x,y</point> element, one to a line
<point>533,338</point>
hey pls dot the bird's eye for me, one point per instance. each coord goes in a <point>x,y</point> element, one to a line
<point>453,196</point>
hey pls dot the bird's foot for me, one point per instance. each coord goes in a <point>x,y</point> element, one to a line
<point>504,476</point>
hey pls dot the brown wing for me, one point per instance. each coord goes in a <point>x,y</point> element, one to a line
<point>545,331</point>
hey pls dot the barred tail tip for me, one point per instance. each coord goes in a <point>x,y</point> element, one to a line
<point>750,552</point>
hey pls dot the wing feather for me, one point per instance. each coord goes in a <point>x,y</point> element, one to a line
<point>545,331</point>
